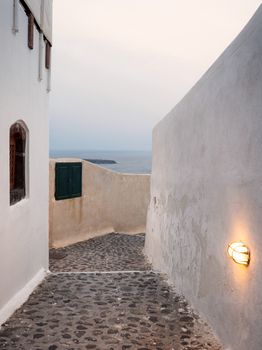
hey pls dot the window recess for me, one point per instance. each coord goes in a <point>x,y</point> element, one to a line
<point>17,163</point>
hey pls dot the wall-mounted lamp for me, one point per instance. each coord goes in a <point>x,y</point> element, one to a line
<point>239,252</point>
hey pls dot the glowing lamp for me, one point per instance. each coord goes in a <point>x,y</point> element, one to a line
<point>239,252</point>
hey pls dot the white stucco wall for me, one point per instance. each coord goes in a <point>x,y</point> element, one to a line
<point>110,202</point>
<point>24,226</point>
<point>207,191</point>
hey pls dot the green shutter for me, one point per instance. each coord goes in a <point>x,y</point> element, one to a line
<point>68,180</point>
<point>76,183</point>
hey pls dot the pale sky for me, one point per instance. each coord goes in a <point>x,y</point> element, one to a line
<point>119,66</point>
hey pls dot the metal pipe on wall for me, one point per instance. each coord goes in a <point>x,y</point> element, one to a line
<point>40,62</point>
<point>15,28</point>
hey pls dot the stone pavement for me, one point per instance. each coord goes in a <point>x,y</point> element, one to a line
<point>106,310</point>
<point>112,252</point>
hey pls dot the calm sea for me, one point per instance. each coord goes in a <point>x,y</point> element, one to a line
<point>135,162</point>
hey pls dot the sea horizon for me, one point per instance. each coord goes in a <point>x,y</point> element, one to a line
<point>127,161</point>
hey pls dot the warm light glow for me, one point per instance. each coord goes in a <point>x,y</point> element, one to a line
<point>239,252</point>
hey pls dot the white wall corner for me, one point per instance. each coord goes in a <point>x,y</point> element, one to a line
<point>21,297</point>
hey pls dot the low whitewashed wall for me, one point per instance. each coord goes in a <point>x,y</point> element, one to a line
<point>207,191</point>
<point>110,202</point>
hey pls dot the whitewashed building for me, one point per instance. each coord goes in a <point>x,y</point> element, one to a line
<point>26,39</point>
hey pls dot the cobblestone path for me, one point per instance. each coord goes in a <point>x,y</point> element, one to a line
<point>106,311</point>
<point>112,252</point>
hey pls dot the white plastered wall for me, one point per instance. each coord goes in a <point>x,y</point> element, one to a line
<point>23,226</point>
<point>206,191</point>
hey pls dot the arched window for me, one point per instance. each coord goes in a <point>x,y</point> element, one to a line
<point>17,162</point>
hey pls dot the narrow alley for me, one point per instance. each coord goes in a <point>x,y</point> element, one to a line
<point>102,294</point>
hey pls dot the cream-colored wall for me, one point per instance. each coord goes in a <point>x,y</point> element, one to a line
<point>110,202</point>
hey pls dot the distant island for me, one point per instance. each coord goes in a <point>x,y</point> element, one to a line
<point>101,161</point>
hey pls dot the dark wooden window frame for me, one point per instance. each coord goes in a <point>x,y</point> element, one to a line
<point>17,159</point>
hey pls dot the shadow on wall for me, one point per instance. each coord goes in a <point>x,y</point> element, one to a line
<point>105,202</point>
